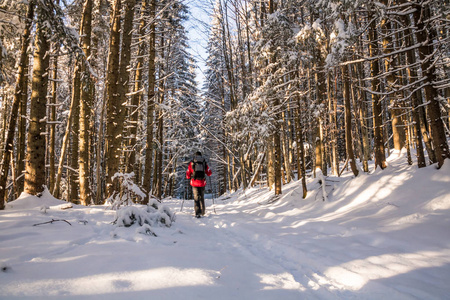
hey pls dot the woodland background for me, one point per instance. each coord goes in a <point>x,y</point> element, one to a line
<point>99,99</point>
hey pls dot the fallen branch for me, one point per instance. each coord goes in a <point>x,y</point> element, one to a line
<point>343,168</point>
<point>53,220</point>
<point>253,180</point>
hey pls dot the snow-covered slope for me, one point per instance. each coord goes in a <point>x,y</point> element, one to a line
<point>383,235</point>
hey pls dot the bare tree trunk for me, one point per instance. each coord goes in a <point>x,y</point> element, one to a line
<point>74,130</point>
<point>225,166</point>
<point>35,171</point>
<point>19,93</point>
<point>86,103</point>
<point>22,127</point>
<point>277,156</point>
<point>380,156</point>
<point>318,134</point>
<point>158,178</point>
<point>362,117</point>
<point>235,179</point>
<point>332,103</point>
<point>243,175</point>
<point>290,140</point>
<point>348,121</point>
<point>426,34</point>
<point>151,102</point>
<point>285,146</point>
<point>159,152</point>
<point>114,124</point>
<point>52,134</point>
<point>389,67</point>
<point>415,100</point>
<point>407,145</point>
<point>270,158</point>
<point>136,99</point>
<point>65,142</point>
<point>300,149</point>
<point>4,122</point>
<point>358,151</point>
<point>229,172</point>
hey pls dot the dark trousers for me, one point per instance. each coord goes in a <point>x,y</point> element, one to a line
<point>199,200</point>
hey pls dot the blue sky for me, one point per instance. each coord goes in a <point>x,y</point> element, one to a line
<point>197,28</point>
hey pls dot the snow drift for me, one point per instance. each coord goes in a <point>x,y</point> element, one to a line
<point>383,235</point>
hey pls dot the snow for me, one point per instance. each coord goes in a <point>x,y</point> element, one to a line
<point>379,235</point>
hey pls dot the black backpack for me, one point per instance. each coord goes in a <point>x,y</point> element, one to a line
<point>199,168</point>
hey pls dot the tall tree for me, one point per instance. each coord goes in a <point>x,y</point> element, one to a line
<point>150,101</point>
<point>34,170</point>
<point>380,156</point>
<point>348,121</point>
<point>426,33</point>
<point>21,92</point>
<point>114,107</point>
<point>86,103</point>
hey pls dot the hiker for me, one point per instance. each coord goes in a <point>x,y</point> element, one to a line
<point>197,171</point>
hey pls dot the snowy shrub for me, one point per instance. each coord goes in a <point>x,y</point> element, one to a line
<point>128,191</point>
<point>154,214</point>
<point>145,229</point>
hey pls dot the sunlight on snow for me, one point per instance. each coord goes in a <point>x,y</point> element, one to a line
<point>57,260</point>
<point>373,193</point>
<point>283,281</point>
<point>357,273</point>
<point>161,278</point>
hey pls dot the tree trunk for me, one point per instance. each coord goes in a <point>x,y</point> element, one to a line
<point>100,178</point>
<point>86,103</point>
<point>52,134</point>
<point>398,131</point>
<point>270,158</point>
<point>362,117</point>
<point>136,99</point>
<point>348,121</point>
<point>65,142</point>
<point>243,173</point>
<point>160,151</point>
<point>224,174</point>
<point>380,157</point>
<point>300,149</point>
<point>22,128</point>
<point>285,145</point>
<point>151,102</point>
<point>229,172</point>
<point>426,35</point>
<point>332,104</point>
<point>415,100</point>
<point>74,131</point>
<point>114,124</point>
<point>356,139</point>
<point>158,178</point>
<point>277,158</point>
<point>35,170</point>
<point>4,122</point>
<point>19,93</point>
<point>318,135</point>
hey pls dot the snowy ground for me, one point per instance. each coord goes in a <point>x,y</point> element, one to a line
<point>384,235</point>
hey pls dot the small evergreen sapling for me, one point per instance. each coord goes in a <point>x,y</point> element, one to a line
<point>152,215</point>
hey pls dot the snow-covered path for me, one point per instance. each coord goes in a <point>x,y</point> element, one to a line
<point>281,254</point>
<point>383,235</point>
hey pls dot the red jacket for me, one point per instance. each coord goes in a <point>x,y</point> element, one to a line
<point>197,182</point>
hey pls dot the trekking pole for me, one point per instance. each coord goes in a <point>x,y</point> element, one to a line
<point>210,185</point>
<point>184,195</point>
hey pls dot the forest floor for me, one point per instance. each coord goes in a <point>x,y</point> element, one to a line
<point>382,235</point>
